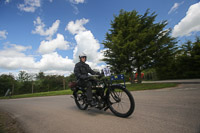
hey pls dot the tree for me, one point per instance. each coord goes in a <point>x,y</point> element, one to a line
<point>136,42</point>
<point>164,57</point>
<point>70,78</point>
<point>196,56</point>
<point>6,82</point>
<point>24,76</point>
<point>186,48</point>
<point>25,84</point>
<point>40,76</point>
<point>51,83</point>
<point>188,60</point>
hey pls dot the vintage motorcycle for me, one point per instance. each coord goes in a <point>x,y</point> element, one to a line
<point>107,96</point>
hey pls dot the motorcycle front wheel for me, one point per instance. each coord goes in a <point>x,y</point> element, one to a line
<point>121,101</point>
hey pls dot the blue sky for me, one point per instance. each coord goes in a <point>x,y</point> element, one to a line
<point>48,35</point>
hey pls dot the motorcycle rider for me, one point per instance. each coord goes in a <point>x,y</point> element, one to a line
<point>81,71</point>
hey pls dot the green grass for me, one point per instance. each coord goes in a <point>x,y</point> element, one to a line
<point>51,93</point>
<point>131,87</point>
<point>149,86</point>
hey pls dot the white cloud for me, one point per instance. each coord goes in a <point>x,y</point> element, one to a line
<point>190,23</point>
<point>76,27</point>
<point>7,1</point>
<point>76,11</point>
<point>16,62</point>
<point>175,7</point>
<point>85,40</point>
<point>96,66</point>
<point>12,57</point>
<point>3,34</point>
<point>74,3</point>
<point>29,5</point>
<point>77,1</point>
<point>40,28</point>
<point>15,47</point>
<point>52,45</point>
<point>55,62</point>
<point>88,44</point>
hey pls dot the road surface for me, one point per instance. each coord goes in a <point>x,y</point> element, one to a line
<point>171,110</point>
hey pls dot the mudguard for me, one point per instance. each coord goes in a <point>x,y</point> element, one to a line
<point>77,89</point>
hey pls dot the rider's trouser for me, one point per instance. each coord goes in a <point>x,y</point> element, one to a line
<point>89,91</point>
<point>88,86</point>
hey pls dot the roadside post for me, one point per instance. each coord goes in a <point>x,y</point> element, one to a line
<point>7,93</point>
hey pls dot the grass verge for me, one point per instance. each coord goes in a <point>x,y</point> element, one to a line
<point>149,86</point>
<point>130,87</point>
<point>50,93</point>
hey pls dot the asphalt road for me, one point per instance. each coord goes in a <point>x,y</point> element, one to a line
<point>171,110</point>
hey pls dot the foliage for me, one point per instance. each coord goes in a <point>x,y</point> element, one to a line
<point>70,78</point>
<point>188,61</point>
<point>136,41</point>
<point>6,82</point>
<point>24,76</point>
<point>26,83</point>
<point>40,76</point>
<point>150,74</point>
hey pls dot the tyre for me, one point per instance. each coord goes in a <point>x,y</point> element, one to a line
<point>80,99</point>
<point>121,101</point>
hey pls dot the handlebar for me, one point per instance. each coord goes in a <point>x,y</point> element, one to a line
<point>94,75</point>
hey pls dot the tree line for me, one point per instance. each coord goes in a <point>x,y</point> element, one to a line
<point>31,83</point>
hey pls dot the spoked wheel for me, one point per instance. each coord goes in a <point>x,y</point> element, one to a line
<point>80,99</point>
<point>121,101</point>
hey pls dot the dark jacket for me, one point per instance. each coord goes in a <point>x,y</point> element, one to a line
<point>82,69</point>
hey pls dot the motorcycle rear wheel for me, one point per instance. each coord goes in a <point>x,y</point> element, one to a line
<point>80,99</point>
